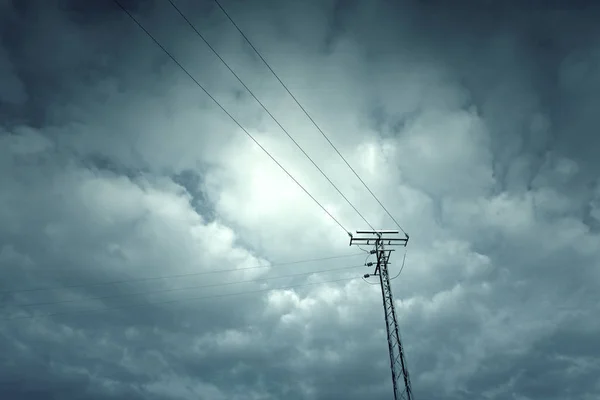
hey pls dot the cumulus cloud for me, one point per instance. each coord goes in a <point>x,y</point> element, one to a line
<point>473,125</point>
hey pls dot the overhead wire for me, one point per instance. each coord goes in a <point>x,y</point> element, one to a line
<point>401,268</point>
<point>83,312</point>
<point>363,277</point>
<point>308,115</point>
<point>366,251</point>
<point>173,276</point>
<point>267,110</point>
<point>370,283</point>
<point>49,303</point>
<point>391,279</point>
<point>139,24</point>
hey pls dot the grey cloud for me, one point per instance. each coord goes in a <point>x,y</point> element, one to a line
<point>113,165</point>
<point>12,90</point>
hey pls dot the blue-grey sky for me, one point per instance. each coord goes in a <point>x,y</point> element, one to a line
<point>473,122</point>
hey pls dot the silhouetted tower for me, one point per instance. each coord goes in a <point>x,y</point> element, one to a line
<point>380,239</point>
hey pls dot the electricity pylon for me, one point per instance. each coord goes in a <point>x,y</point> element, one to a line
<point>379,239</point>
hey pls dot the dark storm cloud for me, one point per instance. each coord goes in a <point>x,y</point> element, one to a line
<point>528,68</point>
<point>114,166</point>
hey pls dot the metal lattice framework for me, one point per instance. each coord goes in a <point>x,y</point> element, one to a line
<point>379,239</point>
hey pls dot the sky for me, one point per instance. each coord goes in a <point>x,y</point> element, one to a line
<point>149,249</point>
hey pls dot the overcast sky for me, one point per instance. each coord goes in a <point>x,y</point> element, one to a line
<point>473,122</point>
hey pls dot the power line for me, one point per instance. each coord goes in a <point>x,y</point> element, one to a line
<point>83,312</point>
<point>214,271</point>
<point>307,114</point>
<point>49,303</point>
<point>228,114</point>
<point>401,268</point>
<point>267,111</point>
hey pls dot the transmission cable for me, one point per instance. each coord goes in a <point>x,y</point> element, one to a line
<point>391,279</point>
<point>401,268</point>
<point>370,283</point>
<point>307,114</point>
<point>267,111</point>
<point>153,278</point>
<point>229,114</point>
<point>49,303</point>
<point>83,312</point>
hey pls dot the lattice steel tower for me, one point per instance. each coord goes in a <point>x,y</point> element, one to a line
<point>379,239</point>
